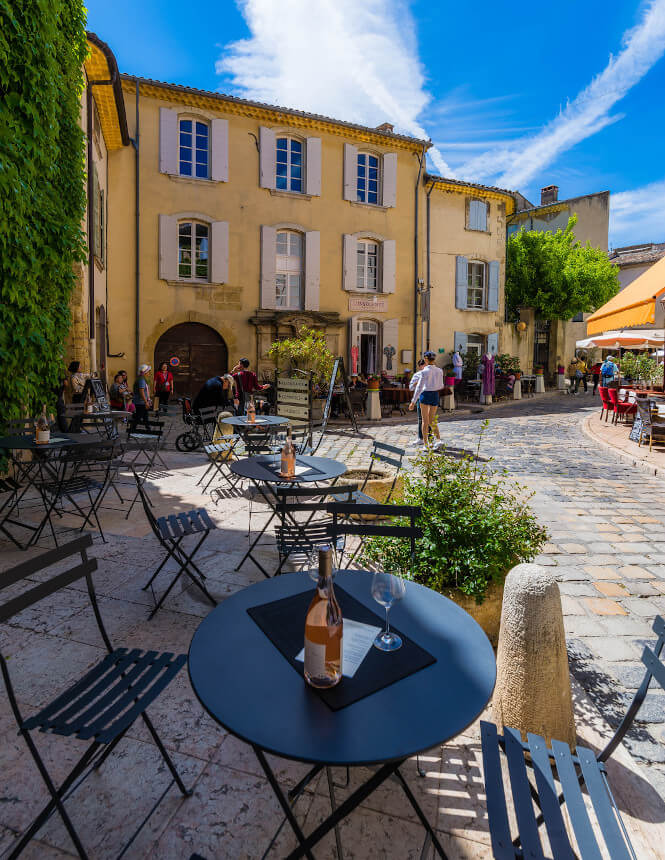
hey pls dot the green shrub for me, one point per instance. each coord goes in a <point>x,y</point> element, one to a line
<point>307,351</point>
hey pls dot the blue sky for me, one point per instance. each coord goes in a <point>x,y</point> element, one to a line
<point>570,94</point>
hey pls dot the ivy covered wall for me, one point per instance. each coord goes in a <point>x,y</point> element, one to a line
<point>42,192</point>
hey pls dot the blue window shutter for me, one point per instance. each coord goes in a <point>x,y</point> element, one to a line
<point>493,293</point>
<point>473,206</point>
<point>460,341</point>
<point>461,282</point>
<point>493,343</point>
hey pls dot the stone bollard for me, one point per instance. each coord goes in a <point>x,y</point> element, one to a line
<point>373,405</point>
<point>532,691</point>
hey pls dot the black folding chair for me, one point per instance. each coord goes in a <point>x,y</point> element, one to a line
<point>145,444</point>
<point>102,706</point>
<point>9,494</point>
<point>342,525</point>
<point>571,771</point>
<point>170,531</point>
<point>220,454</point>
<point>381,453</point>
<point>208,421</point>
<point>20,426</point>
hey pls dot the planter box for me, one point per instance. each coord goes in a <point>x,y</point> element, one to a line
<point>487,614</point>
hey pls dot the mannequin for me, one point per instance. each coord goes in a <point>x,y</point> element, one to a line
<point>457,365</point>
<point>487,361</point>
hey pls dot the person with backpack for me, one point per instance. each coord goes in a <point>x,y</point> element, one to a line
<point>607,371</point>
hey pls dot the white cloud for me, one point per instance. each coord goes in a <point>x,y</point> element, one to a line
<point>638,216</point>
<point>517,162</point>
<point>352,61</point>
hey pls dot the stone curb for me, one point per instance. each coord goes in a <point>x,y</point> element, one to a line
<point>637,462</point>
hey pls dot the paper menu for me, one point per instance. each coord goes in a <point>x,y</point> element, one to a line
<point>357,640</point>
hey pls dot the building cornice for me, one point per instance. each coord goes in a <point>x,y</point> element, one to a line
<point>471,190</point>
<point>104,80</point>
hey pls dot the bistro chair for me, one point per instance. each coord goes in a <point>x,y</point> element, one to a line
<point>342,525</point>
<point>99,708</point>
<point>605,402</point>
<point>145,446</point>
<point>220,454</point>
<point>9,495</point>
<point>571,771</point>
<point>170,531</point>
<point>381,453</point>
<point>651,423</point>
<point>20,426</point>
<point>621,408</point>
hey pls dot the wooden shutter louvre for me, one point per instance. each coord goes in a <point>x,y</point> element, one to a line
<point>219,252</point>
<point>313,167</point>
<point>389,197</point>
<point>312,269</point>
<point>350,172</point>
<point>461,282</point>
<point>350,263</point>
<point>493,343</point>
<point>461,342</point>
<point>266,157</point>
<point>388,264</point>
<point>219,150</point>
<point>168,247</point>
<point>268,267</point>
<point>493,289</point>
<point>168,141</point>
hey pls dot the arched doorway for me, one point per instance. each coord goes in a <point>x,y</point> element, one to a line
<point>201,353</point>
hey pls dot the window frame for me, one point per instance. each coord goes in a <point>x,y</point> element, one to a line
<point>367,154</point>
<point>366,241</point>
<point>194,149</point>
<point>290,139</point>
<point>193,277</point>
<point>287,273</point>
<point>470,267</point>
<point>480,342</point>
<point>486,204</point>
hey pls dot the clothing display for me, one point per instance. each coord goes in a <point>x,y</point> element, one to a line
<point>457,365</point>
<point>487,362</point>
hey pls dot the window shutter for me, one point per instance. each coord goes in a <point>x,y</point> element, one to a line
<point>389,179</point>
<point>493,343</point>
<point>461,282</point>
<point>390,333</point>
<point>350,173</point>
<point>388,261</point>
<point>168,141</point>
<point>312,269</point>
<point>313,167</point>
<point>350,262</point>
<point>268,253</point>
<point>267,158</point>
<point>482,215</point>
<point>168,247</point>
<point>94,240</point>
<point>493,292</point>
<point>219,251</point>
<point>219,150</point>
<point>461,341</point>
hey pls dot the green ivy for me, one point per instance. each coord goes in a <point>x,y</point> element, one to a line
<point>42,192</point>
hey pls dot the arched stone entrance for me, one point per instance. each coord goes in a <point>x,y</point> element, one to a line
<point>201,352</point>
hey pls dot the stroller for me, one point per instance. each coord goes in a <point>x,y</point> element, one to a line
<point>196,436</point>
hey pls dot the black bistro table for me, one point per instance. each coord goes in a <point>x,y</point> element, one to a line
<point>257,434</point>
<point>263,472</point>
<point>261,698</point>
<point>42,463</point>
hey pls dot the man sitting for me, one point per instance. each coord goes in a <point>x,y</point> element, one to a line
<point>247,384</point>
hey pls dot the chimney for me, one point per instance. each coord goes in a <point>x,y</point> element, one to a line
<point>387,127</point>
<point>549,194</point>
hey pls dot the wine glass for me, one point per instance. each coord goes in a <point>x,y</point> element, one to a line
<point>386,589</point>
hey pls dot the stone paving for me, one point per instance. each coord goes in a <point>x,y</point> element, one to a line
<point>607,525</point>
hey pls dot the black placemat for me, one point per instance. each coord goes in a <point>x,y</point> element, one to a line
<point>283,622</point>
<point>275,466</point>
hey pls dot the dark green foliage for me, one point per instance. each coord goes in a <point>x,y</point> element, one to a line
<point>42,192</point>
<point>556,275</point>
<point>477,525</point>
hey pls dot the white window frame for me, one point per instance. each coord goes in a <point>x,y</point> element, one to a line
<point>194,149</point>
<point>476,343</point>
<point>471,269</point>
<point>290,138</point>
<point>362,197</point>
<point>193,224</point>
<point>285,272</point>
<point>362,269</point>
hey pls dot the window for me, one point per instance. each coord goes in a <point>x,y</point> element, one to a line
<point>477,215</point>
<point>193,257</point>
<point>288,270</point>
<point>475,343</point>
<point>368,178</point>
<point>194,148</point>
<point>368,266</point>
<point>475,295</point>
<point>289,164</point>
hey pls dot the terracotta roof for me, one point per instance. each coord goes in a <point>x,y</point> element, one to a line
<point>430,177</point>
<point>380,130</point>
<point>632,255</point>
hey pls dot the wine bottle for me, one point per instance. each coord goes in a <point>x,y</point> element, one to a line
<point>42,428</point>
<point>251,411</point>
<point>288,461</point>
<point>323,630</point>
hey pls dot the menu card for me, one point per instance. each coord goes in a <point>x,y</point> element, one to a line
<point>357,640</point>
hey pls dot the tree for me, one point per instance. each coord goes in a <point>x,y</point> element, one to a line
<point>556,275</point>
<point>306,351</point>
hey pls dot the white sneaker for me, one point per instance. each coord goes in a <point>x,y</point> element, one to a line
<point>439,445</point>
<point>417,444</point>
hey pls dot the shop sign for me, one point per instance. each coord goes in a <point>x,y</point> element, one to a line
<point>368,305</point>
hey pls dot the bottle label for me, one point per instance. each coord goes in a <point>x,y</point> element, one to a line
<point>42,437</point>
<point>315,659</point>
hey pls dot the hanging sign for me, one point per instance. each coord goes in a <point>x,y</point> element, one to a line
<point>174,361</point>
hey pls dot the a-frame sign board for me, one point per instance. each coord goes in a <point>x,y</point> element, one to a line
<point>338,371</point>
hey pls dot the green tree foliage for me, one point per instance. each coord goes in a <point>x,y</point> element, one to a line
<point>42,192</point>
<point>556,275</point>
<point>306,351</point>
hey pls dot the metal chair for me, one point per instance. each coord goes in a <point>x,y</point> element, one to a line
<point>145,444</point>
<point>381,453</point>
<point>342,525</point>
<point>10,489</point>
<point>170,531</point>
<point>99,708</point>
<point>571,771</point>
<point>650,425</point>
<point>220,454</point>
<point>20,426</point>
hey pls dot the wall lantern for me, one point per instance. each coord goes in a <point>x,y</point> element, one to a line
<point>520,326</point>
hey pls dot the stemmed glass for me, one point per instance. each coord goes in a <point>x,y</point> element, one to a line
<point>386,589</point>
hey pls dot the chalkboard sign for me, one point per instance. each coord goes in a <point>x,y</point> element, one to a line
<point>96,390</point>
<point>294,396</point>
<point>338,371</point>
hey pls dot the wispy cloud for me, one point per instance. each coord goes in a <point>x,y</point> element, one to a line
<point>354,61</point>
<point>519,161</point>
<point>638,215</point>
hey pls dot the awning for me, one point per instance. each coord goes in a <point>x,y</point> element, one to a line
<point>635,338</point>
<point>635,305</point>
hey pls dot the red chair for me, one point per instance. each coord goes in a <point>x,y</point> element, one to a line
<point>606,405</point>
<point>620,407</point>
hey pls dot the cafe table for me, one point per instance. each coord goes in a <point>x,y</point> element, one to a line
<point>264,471</point>
<point>244,671</point>
<point>256,434</point>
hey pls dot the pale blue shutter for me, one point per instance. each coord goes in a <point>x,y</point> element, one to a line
<point>493,343</point>
<point>460,342</point>
<point>461,282</point>
<point>493,291</point>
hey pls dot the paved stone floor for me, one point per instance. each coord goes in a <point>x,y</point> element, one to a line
<point>607,524</point>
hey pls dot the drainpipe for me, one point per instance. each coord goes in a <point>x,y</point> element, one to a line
<point>91,254</point>
<point>429,267</point>
<point>137,236</point>
<point>416,285</point>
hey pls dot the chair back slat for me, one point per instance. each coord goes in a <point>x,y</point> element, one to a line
<point>382,446</point>
<point>607,820</point>
<point>373,530</point>
<point>382,458</point>
<point>519,783</point>
<point>579,817</point>
<point>497,813</point>
<point>348,508</point>
<point>45,589</point>
<point>46,559</point>
<point>547,791</point>
<point>314,492</point>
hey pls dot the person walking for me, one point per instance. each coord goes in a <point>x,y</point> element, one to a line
<point>426,393</point>
<point>164,386</point>
<point>141,398</point>
<point>582,368</point>
<point>572,372</point>
<point>412,387</point>
<point>607,371</point>
<point>595,376</point>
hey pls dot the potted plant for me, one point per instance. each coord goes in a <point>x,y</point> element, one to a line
<point>476,525</point>
<point>372,382</point>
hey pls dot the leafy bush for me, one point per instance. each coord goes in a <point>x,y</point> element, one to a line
<point>508,363</point>
<point>306,351</point>
<point>641,366</point>
<point>470,364</point>
<point>476,526</point>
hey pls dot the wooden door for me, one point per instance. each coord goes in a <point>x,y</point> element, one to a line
<point>200,352</point>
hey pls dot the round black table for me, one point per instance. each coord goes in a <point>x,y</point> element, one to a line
<point>247,686</point>
<point>256,435</point>
<point>241,421</point>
